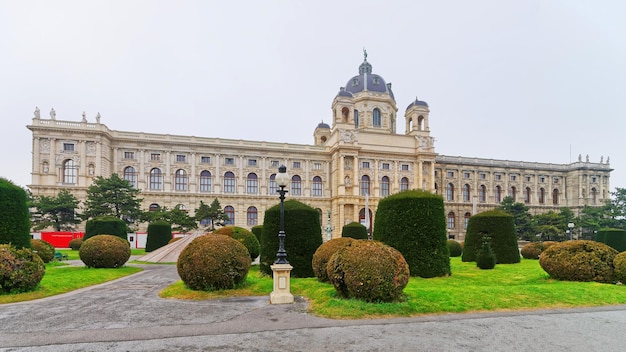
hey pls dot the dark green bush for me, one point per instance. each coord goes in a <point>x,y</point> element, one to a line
<point>159,234</point>
<point>323,254</point>
<point>615,238</point>
<point>14,215</point>
<point>21,270</point>
<point>104,251</point>
<point>303,237</point>
<point>76,243</point>
<point>500,227</point>
<point>619,265</point>
<point>414,223</point>
<point>485,259</point>
<point>105,226</point>
<point>242,235</point>
<point>43,249</point>
<point>257,231</point>
<point>532,250</point>
<point>455,248</point>
<point>354,230</point>
<point>213,262</point>
<point>579,260</point>
<point>369,271</point>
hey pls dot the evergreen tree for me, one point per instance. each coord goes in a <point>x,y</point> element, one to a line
<point>113,196</point>
<point>58,212</point>
<point>213,213</point>
<point>521,217</point>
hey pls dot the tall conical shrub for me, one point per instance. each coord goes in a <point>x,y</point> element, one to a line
<point>14,215</point>
<point>159,235</point>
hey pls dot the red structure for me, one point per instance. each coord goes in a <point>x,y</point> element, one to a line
<point>61,239</point>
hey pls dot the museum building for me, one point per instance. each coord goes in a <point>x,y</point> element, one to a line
<point>355,161</point>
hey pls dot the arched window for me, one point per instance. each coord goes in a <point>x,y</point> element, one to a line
<point>482,193</point>
<point>466,220</point>
<point>273,187</point>
<point>180,180</point>
<point>154,207</point>
<point>436,188</point>
<point>450,192</point>
<point>365,185</point>
<point>252,216</point>
<point>205,181</point>
<point>404,184</point>
<point>296,185</point>
<point>451,220</point>
<point>130,175</point>
<point>466,193</point>
<point>229,211</point>
<point>498,194</point>
<point>316,187</point>
<point>513,193</point>
<point>527,195</point>
<point>69,171</point>
<point>229,182</point>
<point>384,186</point>
<point>555,197</point>
<point>252,184</point>
<point>344,112</point>
<point>594,196</point>
<point>376,117</point>
<point>356,118</point>
<point>542,196</point>
<point>156,179</point>
<point>362,218</point>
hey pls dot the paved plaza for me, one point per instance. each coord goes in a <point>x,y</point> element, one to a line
<point>128,315</point>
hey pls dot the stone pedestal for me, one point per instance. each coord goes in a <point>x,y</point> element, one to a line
<point>282,284</point>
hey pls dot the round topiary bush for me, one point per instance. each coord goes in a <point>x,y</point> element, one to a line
<point>580,260</point>
<point>14,215</point>
<point>44,250</point>
<point>323,254</point>
<point>368,270</point>
<point>109,225</point>
<point>76,243</point>
<point>414,223</point>
<point>500,227</point>
<point>455,248</point>
<point>213,262</point>
<point>159,234</point>
<point>104,251</point>
<point>619,265</point>
<point>244,236</point>
<point>354,230</point>
<point>485,258</point>
<point>532,250</point>
<point>21,270</point>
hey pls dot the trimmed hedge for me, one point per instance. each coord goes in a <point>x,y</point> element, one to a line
<point>104,251</point>
<point>615,238</point>
<point>257,231</point>
<point>533,250</point>
<point>455,248</point>
<point>354,230</point>
<point>213,262</point>
<point>500,227</point>
<point>105,225</point>
<point>414,223</point>
<point>43,249</point>
<point>579,260</point>
<point>247,238</point>
<point>485,259</point>
<point>303,235</point>
<point>368,270</point>
<point>14,215</point>
<point>21,270</point>
<point>324,252</point>
<point>159,235</point>
<point>76,243</point>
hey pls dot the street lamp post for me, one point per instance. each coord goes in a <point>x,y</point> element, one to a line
<point>571,230</point>
<point>281,269</point>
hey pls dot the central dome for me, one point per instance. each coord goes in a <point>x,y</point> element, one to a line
<point>367,81</point>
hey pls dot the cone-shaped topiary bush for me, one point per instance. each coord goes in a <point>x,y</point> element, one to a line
<point>44,250</point>
<point>14,215</point>
<point>159,235</point>
<point>455,248</point>
<point>579,260</point>
<point>323,254</point>
<point>257,231</point>
<point>105,225</point>
<point>485,259</point>
<point>21,270</point>
<point>368,270</point>
<point>104,251</point>
<point>242,235</point>
<point>76,243</point>
<point>499,226</point>
<point>213,262</point>
<point>303,237</point>
<point>354,230</point>
<point>414,223</point>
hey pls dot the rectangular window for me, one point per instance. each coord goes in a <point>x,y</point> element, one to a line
<point>482,175</point>
<point>593,179</point>
<point>385,166</point>
<point>274,163</point>
<point>450,174</point>
<point>68,147</point>
<point>155,156</point>
<point>513,177</point>
<point>498,177</point>
<point>405,167</point>
<point>317,166</point>
<point>251,162</point>
<point>527,178</point>
<point>556,180</point>
<point>542,179</point>
<point>466,175</point>
<point>180,158</point>
<point>205,159</point>
<point>229,161</point>
<point>296,165</point>
<point>365,164</point>
<point>129,155</point>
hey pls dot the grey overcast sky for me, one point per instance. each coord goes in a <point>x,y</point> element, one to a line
<point>531,80</point>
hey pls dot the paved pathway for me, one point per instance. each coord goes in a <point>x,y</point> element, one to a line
<point>127,315</point>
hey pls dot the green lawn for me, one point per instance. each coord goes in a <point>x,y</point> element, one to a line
<point>507,287</point>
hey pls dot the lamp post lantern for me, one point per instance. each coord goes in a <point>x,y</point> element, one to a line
<point>282,179</point>
<point>281,269</point>
<point>571,230</point>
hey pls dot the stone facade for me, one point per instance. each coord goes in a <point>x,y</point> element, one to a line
<point>359,154</point>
